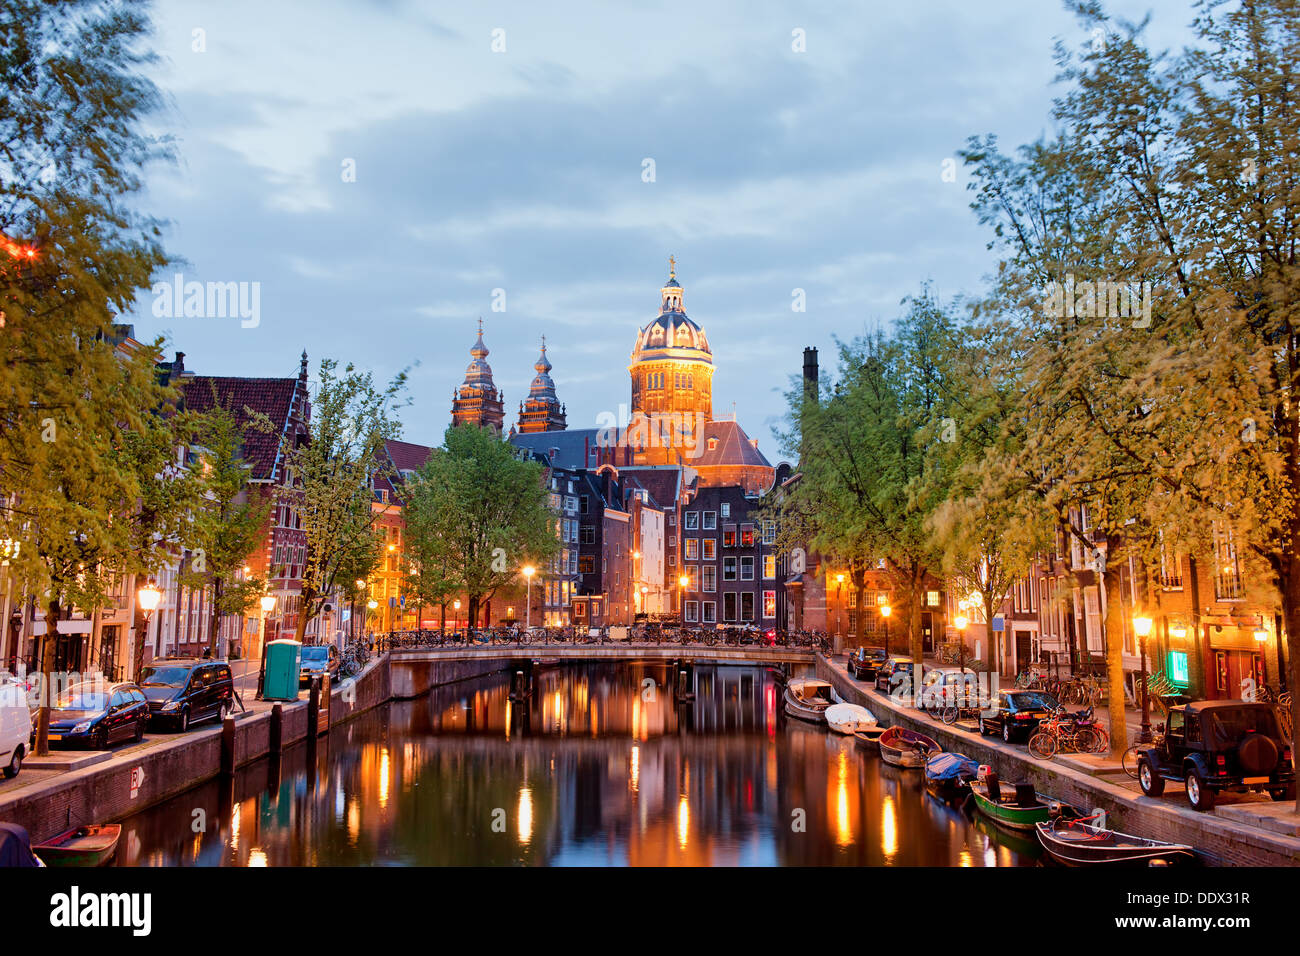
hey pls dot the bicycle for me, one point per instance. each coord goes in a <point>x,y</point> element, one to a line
<point>1129,759</point>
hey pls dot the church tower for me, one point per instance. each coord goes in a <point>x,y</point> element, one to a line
<point>542,412</point>
<point>672,364</point>
<point>477,401</point>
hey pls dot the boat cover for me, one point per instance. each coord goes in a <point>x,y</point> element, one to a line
<point>950,766</point>
<point>16,846</point>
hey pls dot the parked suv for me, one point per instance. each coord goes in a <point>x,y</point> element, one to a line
<point>184,690</point>
<point>865,661</point>
<point>1216,745</point>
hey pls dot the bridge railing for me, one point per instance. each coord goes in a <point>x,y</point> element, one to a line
<point>649,635</point>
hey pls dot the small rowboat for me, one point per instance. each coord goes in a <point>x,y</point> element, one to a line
<point>849,718</point>
<point>948,775</point>
<point>807,698</point>
<point>869,737</point>
<point>906,748</point>
<point>1017,808</point>
<point>92,845</point>
<point>1080,843</point>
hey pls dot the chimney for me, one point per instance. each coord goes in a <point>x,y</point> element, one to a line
<point>810,373</point>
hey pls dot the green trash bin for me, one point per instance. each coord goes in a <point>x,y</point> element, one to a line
<point>283,665</point>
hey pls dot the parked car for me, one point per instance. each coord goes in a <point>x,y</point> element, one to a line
<point>97,714</point>
<point>894,676</point>
<point>318,659</point>
<point>1015,714</point>
<point>182,691</point>
<point>1217,745</point>
<point>15,726</point>
<point>865,661</point>
<point>942,686</point>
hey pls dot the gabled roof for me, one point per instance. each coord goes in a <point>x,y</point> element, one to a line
<point>273,397</point>
<point>733,447</point>
<point>407,456</point>
<point>664,483</point>
<point>577,448</point>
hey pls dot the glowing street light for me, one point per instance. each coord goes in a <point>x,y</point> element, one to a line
<point>529,571</point>
<point>1142,628</point>
<point>885,611</point>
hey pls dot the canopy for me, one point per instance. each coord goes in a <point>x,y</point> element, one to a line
<point>950,766</point>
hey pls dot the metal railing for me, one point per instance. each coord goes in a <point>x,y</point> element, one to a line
<point>652,634</point>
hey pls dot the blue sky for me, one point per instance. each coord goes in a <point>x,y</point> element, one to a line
<point>522,169</point>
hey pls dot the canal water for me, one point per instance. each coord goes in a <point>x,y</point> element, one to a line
<point>599,764</point>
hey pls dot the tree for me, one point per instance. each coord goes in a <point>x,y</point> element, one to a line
<point>229,519</point>
<point>329,478</point>
<point>491,505</point>
<point>431,515</point>
<point>72,102</point>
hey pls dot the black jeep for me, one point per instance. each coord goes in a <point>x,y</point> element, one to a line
<point>1214,745</point>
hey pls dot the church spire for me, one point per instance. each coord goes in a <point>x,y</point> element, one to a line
<point>542,412</point>
<point>478,401</point>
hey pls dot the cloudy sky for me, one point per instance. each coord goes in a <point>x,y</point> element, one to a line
<point>503,146</point>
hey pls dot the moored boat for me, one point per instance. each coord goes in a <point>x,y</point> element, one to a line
<point>907,748</point>
<point>1081,843</point>
<point>869,737</point>
<point>849,718</point>
<point>807,698</point>
<point>1016,807</point>
<point>948,775</point>
<point>92,845</point>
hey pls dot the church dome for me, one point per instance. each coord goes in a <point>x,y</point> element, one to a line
<point>672,334</point>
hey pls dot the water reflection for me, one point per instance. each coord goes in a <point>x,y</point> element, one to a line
<point>598,764</point>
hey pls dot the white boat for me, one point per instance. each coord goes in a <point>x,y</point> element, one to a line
<point>808,698</point>
<point>849,718</point>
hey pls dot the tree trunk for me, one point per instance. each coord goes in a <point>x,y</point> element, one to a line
<point>473,612</point>
<point>306,598</point>
<point>1288,573</point>
<point>991,654</point>
<point>47,664</point>
<point>442,625</point>
<point>1112,635</point>
<point>914,641</point>
<point>214,626</point>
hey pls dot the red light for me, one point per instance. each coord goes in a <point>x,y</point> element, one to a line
<point>1221,760</point>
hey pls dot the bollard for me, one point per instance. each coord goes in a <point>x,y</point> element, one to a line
<point>313,709</point>
<point>228,745</point>
<point>277,729</point>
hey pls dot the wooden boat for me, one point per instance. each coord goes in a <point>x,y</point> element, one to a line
<point>849,718</point>
<point>92,845</point>
<point>906,748</point>
<point>1080,843</point>
<point>948,775</point>
<point>869,737</point>
<point>1018,807</point>
<point>807,698</point>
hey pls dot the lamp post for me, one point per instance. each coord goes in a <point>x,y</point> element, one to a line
<point>885,611</point>
<point>1142,628</point>
<point>361,587</point>
<point>1261,638</point>
<point>455,606</point>
<point>681,597</point>
<point>148,597</point>
<point>268,605</point>
<point>839,607</point>
<point>529,571</point>
<point>960,622</point>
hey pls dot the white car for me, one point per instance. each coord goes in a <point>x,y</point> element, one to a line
<point>15,727</point>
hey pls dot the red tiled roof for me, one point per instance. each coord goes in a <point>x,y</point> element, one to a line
<point>407,456</point>
<point>273,397</point>
<point>733,447</point>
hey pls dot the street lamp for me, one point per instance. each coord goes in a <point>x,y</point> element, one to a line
<point>682,582</point>
<point>1261,638</point>
<point>268,605</point>
<point>455,606</point>
<point>148,597</point>
<point>839,606</point>
<point>885,611</point>
<point>960,622</point>
<point>1142,628</point>
<point>529,571</point>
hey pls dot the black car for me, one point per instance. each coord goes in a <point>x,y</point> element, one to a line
<point>184,690</point>
<point>318,659</point>
<point>1216,745</point>
<point>97,714</point>
<point>865,661</point>
<point>1015,714</point>
<point>894,676</point>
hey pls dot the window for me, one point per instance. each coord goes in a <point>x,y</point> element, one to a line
<point>692,610</point>
<point>710,520</point>
<point>728,569</point>
<point>692,549</point>
<point>746,605</point>
<point>746,568</point>
<point>692,578</point>
<point>692,520</point>
<point>931,598</point>
<point>710,549</point>
<point>586,563</point>
<point>672,559</point>
<point>1171,568</point>
<point>769,604</point>
<point>725,508</point>
<point>769,531</point>
<point>582,504</point>
<point>710,612</point>
<point>729,606</point>
<point>587,534</point>
<point>746,535</point>
<point>769,566</point>
<point>728,535</point>
<point>672,519</point>
<point>710,578</point>
<point>1227,567</point>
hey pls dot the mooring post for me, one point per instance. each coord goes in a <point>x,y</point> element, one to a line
<point>228,745</point>
<point>277,729</point>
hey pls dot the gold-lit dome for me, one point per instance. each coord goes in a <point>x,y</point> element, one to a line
<point>672,364</point>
